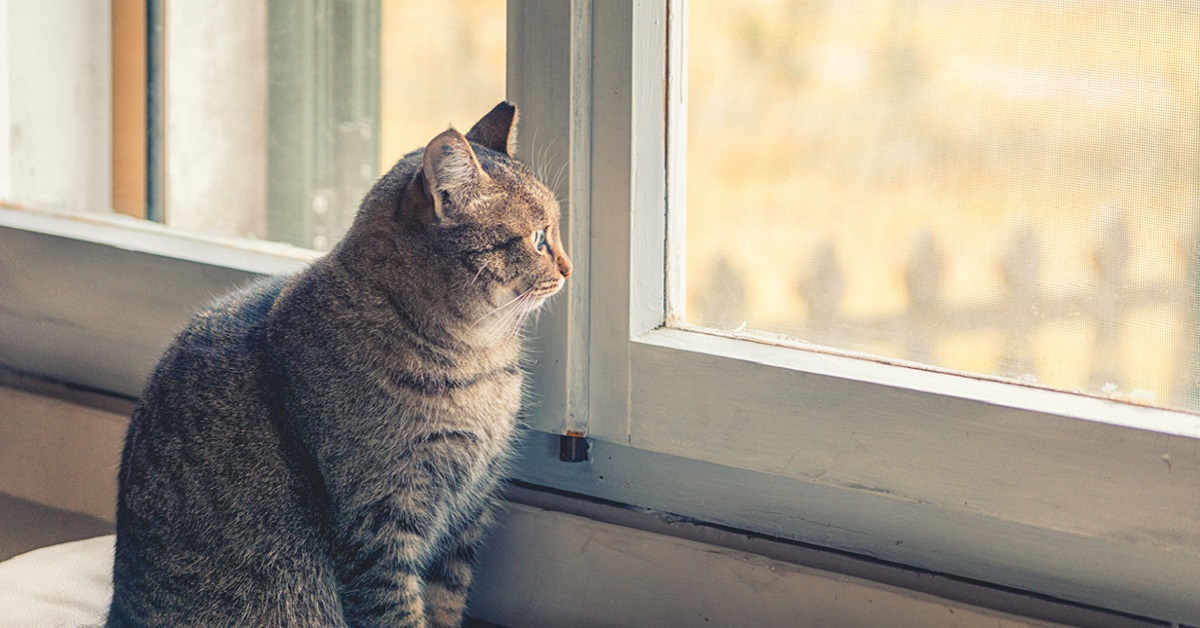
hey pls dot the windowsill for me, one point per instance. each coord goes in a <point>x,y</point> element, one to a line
<point>84,296</point>
<point>143,236</point>
<point>562,559</point>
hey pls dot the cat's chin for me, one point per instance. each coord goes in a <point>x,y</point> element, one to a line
<point>547,289</point>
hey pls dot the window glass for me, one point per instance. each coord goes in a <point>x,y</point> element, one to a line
<point>442,63</point>
<point>54,105</point>
<point>266,119</point>
<point>998,187</point>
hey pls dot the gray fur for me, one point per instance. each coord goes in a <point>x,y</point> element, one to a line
<point>325,449</point>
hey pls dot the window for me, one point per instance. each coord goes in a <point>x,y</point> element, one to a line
<point>1008,189</point>
<point>1008,484</point>
<point>266,120</point>
<point>1077,497</point>
<point>239,125</point>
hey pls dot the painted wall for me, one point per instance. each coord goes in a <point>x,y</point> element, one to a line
<point>216,117</point>
<point>55,104</point>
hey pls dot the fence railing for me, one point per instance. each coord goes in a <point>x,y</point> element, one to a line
<point>1106,301</point>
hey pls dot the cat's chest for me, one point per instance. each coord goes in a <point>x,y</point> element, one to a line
<point>484,400</point>
<point>487,408</point>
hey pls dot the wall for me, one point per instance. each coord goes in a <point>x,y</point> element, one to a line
<point>216,117</point>
<point>541,567</point>
<point>55,134</point>
<point>58,454</point>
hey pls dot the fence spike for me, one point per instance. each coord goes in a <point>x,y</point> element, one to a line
<point>1021,268</point>
<point>1110,255</point>
<point>722,303</point>
<point>923,281</point>
<point>1187,380</point>
<point>822,290</point>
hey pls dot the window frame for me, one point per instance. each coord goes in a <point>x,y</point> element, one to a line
<point>1075,497</point>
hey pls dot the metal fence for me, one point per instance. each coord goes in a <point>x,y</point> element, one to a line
<point>1105,302</point>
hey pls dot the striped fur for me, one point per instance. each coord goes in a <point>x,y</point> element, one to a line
<point>326,449</point>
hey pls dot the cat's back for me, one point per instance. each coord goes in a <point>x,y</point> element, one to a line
<point>214,359</point>
<point>186,515</point>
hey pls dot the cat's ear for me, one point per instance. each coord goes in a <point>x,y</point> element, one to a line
<point>451,170</point>
<point>498,129</point>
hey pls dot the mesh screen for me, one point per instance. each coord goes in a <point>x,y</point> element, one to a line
<point>1001,187</point>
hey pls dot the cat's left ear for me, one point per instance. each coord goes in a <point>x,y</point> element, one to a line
<point>451,170</point>
<point>498,129</point>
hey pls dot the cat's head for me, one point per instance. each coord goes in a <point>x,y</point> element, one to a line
<point>488,225</point>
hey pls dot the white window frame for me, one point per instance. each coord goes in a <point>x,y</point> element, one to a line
<point>1075,497</point>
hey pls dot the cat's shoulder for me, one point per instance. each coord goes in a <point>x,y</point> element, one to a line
<point>247,306</point>
<point>235,317</point>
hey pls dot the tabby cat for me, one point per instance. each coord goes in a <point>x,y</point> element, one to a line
<point>325,449</point>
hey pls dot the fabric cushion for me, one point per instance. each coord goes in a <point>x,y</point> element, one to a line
<point>61,585</point>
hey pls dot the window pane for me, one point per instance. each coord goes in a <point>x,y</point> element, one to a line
<point>1006,188</point>
<point>273,116</point>
<point>283,113</point>
<point>443,63</point>
<point>54,105</point>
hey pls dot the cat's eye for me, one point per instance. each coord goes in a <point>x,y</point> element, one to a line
<point>539,240</point>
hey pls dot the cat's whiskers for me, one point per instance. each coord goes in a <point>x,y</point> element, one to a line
<point>529,306</point>
<point>546,304</point>
<point>477,273</point>
<point>540,159</point>
<point>504,325</point>
<point>519,312</point>
<point>511,324</point>
<point>558,178</point>
<point>497,309</point>
<point>501,329</point>
<point>534,304</point>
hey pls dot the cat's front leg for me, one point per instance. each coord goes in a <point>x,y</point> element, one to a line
<point>446,601</point>
<point>387,594</point>
<point>449,576</point>
<point>380,582</point>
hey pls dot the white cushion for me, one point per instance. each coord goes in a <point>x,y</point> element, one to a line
<point>60,585</point>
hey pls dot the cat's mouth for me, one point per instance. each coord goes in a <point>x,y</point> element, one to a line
<point>514,311</point>
<point>535,296</point>
<point>529,297</point>
<point>545,289</point>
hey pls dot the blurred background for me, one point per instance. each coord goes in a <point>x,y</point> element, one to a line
<point>1000,187</point>
<point>1008,188</point>
<point>269,119</point>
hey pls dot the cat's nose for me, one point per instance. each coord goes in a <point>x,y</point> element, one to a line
<point>564,266</point>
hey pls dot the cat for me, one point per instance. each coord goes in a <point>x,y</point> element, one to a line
<point>326,449</point>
